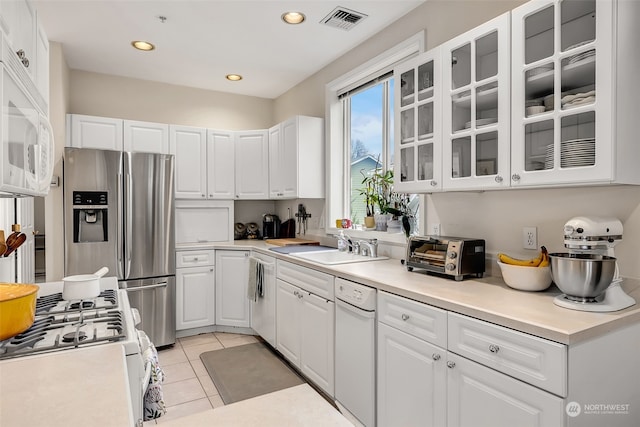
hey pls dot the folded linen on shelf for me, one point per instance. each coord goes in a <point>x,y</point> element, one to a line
<point>154,406</point>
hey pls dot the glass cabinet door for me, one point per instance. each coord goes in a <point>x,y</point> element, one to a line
<point>555,83</point>
<point>417,157</point>
<point>476,114</point>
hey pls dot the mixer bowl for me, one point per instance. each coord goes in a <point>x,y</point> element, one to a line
<point>582,276</point>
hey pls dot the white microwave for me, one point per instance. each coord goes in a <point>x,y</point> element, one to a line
<point>26,158</point>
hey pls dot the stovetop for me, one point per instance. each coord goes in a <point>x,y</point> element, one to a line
<point>61,325</point>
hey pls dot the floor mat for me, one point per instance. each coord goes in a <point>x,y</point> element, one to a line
<point>247,371</point>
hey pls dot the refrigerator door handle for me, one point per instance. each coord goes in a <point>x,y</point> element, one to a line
<point>144,288</point>
<point>128,224</point>
<point>119,222</point>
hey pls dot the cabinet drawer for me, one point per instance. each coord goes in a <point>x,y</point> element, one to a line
<point>415,318</point>
<point>535,360</point>
<point>195,258</point>
<point>310,280</point>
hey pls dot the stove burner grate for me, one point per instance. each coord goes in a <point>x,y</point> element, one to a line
<point>49,304</point>
<point>26,343</point>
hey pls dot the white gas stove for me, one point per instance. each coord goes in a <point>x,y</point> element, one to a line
<point>62,325</point>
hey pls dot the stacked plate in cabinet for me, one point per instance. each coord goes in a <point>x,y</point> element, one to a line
<point>578,152</point>
<point>548,158</point>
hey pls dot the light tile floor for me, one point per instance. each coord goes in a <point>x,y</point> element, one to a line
<point>187,387</point>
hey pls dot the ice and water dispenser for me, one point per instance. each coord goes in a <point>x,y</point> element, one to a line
<point>90,216</point>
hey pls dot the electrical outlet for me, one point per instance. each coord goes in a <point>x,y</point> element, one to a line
<point>530,238</point>
<point>435,229</point>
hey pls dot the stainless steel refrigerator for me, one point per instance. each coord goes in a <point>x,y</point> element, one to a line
<point>119,213</point>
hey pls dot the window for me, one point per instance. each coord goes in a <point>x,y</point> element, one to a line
<point>369,112</point>
<point>346,102</point>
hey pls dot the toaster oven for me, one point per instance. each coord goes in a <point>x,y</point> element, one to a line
<point>455,257</point>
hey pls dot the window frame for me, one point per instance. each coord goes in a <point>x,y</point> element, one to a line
<point>337,128</point>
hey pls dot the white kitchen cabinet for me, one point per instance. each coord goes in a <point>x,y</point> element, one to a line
<point>189,145</point>
<point>575,62</point>
<point>412,380</point>
<point>296,153</point>
<point>251,164</point>
<point>195,289</point>
<point>305,323</point>
<point>94,132</point>
<point>203,222</point>
<point>476,107</point>
<point>439,368</point>
<point>146,137</point>
<point>478,396</point>
<point>418,118</point>
<point>232,274</point>
<point>19,25</point>
<point>220,164</point>
<point>263,309</point>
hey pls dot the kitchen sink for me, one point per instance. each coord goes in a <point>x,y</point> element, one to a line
<point>334,256</point>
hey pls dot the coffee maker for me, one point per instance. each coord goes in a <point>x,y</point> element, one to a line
<point>270,226</point>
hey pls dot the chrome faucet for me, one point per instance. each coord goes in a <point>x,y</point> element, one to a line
<point>369,246</point>
<point>346,240</point>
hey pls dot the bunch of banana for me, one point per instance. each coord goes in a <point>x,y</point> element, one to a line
<point>540,260</point>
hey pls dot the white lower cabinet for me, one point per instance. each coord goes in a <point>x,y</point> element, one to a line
<point>232,275</point>
<point>195,289</point>
<point>479,396</point>
<point>305,324</point>
<point>423,383</point>
<point>412,380</point>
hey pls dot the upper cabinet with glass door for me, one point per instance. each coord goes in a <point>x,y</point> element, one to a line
<point>418,150</point>
<point>476,107</point>
<point>573,85</point>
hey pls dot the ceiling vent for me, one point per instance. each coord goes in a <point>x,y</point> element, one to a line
<point>343,18</point>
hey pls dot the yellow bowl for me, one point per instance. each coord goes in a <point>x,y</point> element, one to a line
<point>526,278</point>
<point>17,308</point>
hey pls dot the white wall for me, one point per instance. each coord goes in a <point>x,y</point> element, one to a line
<point>497,216</point>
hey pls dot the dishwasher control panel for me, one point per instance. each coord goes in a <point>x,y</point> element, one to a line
<point>356,294</point>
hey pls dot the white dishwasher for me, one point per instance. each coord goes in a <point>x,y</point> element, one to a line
<point>355,368</point>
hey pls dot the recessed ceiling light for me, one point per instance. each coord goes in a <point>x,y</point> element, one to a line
<point>293,17</point>
<point>142,45</point>
<point>233,77</point>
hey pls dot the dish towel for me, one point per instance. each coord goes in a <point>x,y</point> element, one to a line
<point>255,285</point>
<point>154,406</point>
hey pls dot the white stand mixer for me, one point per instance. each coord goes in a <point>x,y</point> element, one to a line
<point>595,235</point>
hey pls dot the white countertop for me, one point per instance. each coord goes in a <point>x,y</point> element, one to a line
<point>488,299</point>
<point>294,406</point>
<point>88,386</point>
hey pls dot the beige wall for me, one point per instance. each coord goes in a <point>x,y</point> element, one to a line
<point>121,97</point>
<point>59,105</point>
<point>497,216</point>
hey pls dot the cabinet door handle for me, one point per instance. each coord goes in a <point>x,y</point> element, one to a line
<point>435,356</point>
<point>498,179</point>
<point>515,177</point>
<point>21,54</point>
<point>494,348</point>
<point>405,317</point>
<point>433,183</point>
<point>451,364</point>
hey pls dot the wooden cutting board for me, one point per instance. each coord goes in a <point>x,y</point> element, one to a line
<point>291,242</point>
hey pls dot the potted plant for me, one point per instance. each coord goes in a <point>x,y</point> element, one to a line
<point>402,211</point>
<point>383,185</point>
<point>368,191</point>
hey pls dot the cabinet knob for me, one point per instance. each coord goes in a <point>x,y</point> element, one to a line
<point>195,258</point>
<point>498,179</point>
<point>433,183</point>
<point>435,356</point>
<point>494,348</point>
<point>515,177</point>
<point>25,62</point>
<point>211,195</point>
<point>202,195</point>
<point>405,317</point>
<point>451,364</point>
